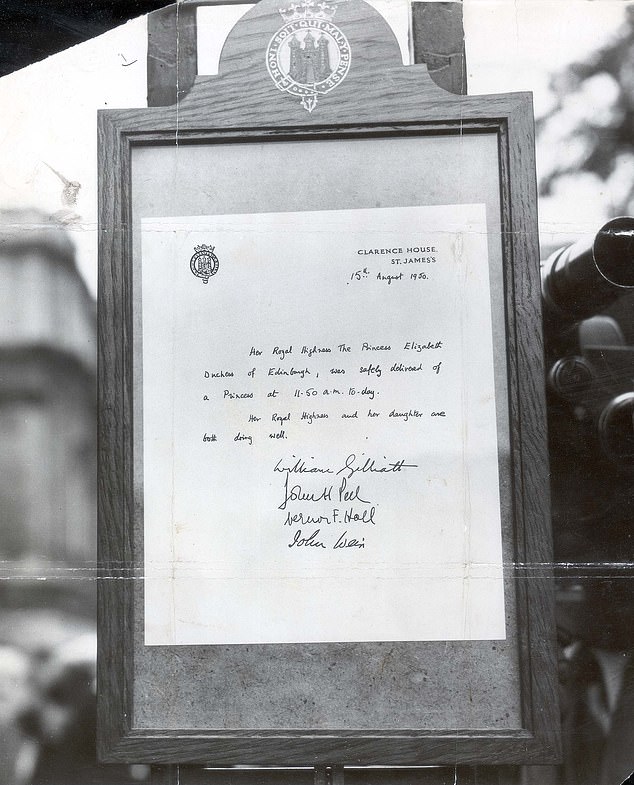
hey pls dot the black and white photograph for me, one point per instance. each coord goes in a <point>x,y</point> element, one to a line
<point>317,392</point>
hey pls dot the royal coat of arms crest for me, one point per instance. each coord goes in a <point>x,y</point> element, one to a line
<point>204,263</point>
<point>309,55</point>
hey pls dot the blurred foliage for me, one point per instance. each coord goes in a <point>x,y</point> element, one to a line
<point>589,131</point>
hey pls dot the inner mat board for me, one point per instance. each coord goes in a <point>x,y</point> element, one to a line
<point>387,685</point>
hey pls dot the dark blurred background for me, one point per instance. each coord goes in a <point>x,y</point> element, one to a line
<point>31,30</point>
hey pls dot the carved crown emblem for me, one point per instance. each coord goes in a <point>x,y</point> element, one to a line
<point>309,9</point>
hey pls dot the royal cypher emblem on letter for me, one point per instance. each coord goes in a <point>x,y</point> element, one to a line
<point>204,263</point>
<point>309,55</point>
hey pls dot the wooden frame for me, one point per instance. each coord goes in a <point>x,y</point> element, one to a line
<point>403,103</point>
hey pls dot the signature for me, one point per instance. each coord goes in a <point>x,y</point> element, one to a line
<point>349,515</point>
<point>296,493</point>
<point>313,541</point>
<point>351,466</point>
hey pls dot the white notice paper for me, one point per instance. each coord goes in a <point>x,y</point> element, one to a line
<point>320,452</point>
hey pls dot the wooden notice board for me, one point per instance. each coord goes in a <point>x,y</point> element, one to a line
<point>324,521</point>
